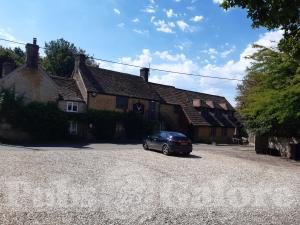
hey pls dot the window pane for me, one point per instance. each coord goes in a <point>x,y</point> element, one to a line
<point>69,106</point>
<point>75,108</point>
<point>121,102</point>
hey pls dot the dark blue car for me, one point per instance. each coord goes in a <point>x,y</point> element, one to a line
<point>169,142</point>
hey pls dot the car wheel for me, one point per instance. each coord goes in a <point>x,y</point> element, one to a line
<point>145,146</point>
<point>186,153</point>
<point>165,150</point>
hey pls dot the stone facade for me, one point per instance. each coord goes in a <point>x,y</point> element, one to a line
<point>32,84</point>
<point>204,134</point>
<point>108,103</point>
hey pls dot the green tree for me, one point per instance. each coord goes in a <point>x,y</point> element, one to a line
<point>16,55</point>
<point>280,14</point>
<point>269,97</point>
<point>60,57</point>
<point>270,13</point>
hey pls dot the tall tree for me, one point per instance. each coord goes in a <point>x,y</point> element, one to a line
<point>270,13</point>
<point>269,96</point>
<point>60,57</point>
<point>279,14</point>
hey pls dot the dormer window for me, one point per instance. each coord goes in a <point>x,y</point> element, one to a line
<point>72,106</point>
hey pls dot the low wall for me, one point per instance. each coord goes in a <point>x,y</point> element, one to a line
<point>282,145</point>
<point>8,133</point>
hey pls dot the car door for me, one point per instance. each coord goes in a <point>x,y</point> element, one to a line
<point>155,141</point>
<point>152,141</point>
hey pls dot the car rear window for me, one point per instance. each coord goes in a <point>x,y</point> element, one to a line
<point>176,134</point>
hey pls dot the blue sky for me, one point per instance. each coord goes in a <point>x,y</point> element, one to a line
<point>193,36</point>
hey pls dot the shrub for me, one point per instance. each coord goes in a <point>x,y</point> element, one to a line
<point>44,121</point>
<point>104,124</point>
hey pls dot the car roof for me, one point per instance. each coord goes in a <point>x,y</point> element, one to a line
<point>173,133</point>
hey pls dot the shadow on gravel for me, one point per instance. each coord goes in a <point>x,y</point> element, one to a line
<point>36,147</point>
<point>188,156</point>
<point>177,155</point>
<point>74,145</point>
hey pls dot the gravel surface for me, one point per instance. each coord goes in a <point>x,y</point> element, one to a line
<point>123,184</point>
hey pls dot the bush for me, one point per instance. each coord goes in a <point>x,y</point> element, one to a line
<point>137,127</point>
<point>104,124</point>
<point>44,121</point>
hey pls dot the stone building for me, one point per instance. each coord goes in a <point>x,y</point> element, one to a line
<point>203,117</point>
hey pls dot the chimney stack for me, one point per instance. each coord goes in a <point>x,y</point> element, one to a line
<point>144,73</point>
<point>32,54</point>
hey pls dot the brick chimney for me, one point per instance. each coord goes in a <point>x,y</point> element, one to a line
<point>144,73</point>
<point>32,54</point>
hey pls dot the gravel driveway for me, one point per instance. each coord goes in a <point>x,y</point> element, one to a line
<point>123,184</point>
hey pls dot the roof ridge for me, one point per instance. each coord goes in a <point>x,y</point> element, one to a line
<point>60,77</point>
<point>117,72</point>
<point>199,93</point>
<point>161,84</point>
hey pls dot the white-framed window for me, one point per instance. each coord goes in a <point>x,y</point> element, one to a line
<point>72,127</point>
<point>72,106</point>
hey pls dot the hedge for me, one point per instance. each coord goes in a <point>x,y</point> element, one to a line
<point>45,121</point>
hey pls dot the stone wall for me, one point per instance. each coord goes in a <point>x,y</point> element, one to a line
<point>203,134</point>
<point>31,84</point>
<point>282,145</point>
<point>108,102</point>
<point>8,133</point>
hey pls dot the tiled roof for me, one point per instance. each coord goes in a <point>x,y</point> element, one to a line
<point>115,83</point>
<point>68,88</point>
<point>184,98</point>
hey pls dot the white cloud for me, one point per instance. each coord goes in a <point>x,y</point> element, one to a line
<point>170,13</point>
<point>150,9</point>
<point>6,34</point>
<point>177,0</point>
<point>135,20</point>
<point>116,11</point>
<point>165,55</point>
<point>162,26</point>
<point>181,47</point>
<point>197,18</point>
<point>225,53</point>
<point>171,24</point>
<point>179,62</point>
<point>218,1</point>
<point>152,19</point>
<point>121,25</point>
<point>140,31</point>
<point>210,51</point>
<point>191,8</point>
<point>182,25</point>
<point>236,69</point>
<point>268,39</point>
<point>213,53</point>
